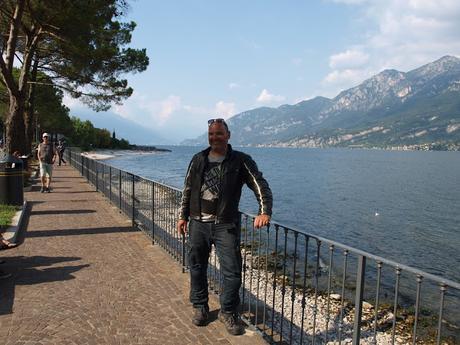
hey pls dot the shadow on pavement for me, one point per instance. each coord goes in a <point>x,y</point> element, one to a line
<point>74,232</point>
<point>27,272</point>
<point>61,212</point>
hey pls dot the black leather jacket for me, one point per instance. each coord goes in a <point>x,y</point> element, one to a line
<point>238,168</point>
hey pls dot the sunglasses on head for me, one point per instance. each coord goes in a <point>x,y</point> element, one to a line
<point>211,121</point>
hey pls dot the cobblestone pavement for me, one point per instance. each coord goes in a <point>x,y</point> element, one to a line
<point>82,276</point>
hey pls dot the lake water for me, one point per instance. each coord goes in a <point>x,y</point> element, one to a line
<point>401,205</point>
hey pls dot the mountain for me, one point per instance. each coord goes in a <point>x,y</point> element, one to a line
<point>126,129</point>
<point>416,109</point>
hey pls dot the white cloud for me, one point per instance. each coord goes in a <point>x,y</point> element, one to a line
<point>400,34</point>
<point>267,97</point>
<point>350,58</point>
<point>232,86</point>
<point>225,110</point>
<point>71,102</point>
<point>346,77</point>
<point>168,106</point>
<point>141,108</point>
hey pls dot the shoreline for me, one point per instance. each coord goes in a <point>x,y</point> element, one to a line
<point>106,154</point>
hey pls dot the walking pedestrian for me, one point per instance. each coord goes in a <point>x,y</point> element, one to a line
<point>46,157</point>
<point>60,150</point>
<point>210,201</point>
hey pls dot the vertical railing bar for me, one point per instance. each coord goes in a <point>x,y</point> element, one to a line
<point>251,271</point>
<point>110,183</point>
<point>377,296</point>
<point>294,272</point>
<point>315,307</point>
<point>267,248</point>
<point>360,281</point>
<point>329,281</point>
<point>443,289</point>
<point>304,288</point>
<point>283,287</point>
<point>97,176</point>
<point>215,272</point>
<point>258,279</point>
<point>244,260</point>
<point>133,202</point>
<point>176,238</point>
<point>395,308</point>
<point>167,236</point>
<point>417,307</point>
<point>119,189</point>
<point>274,277</point>
<point>165,221</point>
<point>153,212</point>
<point>344,276</point>
<point>184,266</point>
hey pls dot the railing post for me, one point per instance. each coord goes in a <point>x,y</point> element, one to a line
<point>360,278</point>
<point>97,176</point>
<point>119,189</point>
<point>183,253</point>
<point>110,183</point>
<point>153,213</point>
<point>133,201</point>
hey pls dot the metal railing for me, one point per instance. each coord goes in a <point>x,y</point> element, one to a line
<point>298,288</point>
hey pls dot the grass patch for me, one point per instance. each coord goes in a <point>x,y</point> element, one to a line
<point>7,213</point>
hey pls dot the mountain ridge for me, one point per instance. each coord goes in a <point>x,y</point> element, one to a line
<point>418,109</point>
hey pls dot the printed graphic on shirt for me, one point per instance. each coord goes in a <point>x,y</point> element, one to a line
<point>211,182</point>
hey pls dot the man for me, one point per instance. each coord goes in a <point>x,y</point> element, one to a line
<point>61,149</point>
<point>46,157</point>
<point>210,200</point>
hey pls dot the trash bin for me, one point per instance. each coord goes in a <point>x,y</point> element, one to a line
<point>11,181</point>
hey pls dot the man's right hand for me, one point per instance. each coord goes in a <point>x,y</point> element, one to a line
<point>182,226</point>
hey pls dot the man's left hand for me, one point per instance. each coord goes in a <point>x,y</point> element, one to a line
<point>261,220</point>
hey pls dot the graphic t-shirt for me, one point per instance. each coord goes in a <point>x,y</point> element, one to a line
<point>46,152</point>
<point>210,188</point>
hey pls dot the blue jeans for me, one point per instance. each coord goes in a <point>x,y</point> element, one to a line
<point>226,239</point>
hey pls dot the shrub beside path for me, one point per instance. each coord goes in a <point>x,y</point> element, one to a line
<point>82,276</point>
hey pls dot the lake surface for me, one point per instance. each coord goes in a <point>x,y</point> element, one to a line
<point>402,205</point>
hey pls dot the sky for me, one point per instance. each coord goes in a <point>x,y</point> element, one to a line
<point>215,58</point>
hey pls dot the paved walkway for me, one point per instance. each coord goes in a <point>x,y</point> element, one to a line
<point>81,276</point>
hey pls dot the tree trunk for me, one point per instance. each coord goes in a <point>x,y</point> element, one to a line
<point>29,115</point>
<point>29,129</point>
<point>15,127</point>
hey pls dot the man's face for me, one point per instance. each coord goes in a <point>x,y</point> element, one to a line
<point>45,139</point>
<point>218,136</point>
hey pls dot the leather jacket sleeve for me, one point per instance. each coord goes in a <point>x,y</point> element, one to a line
<point>257,183</point>
<point>184,212</point>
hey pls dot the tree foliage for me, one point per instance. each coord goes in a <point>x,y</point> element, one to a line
<point>81,45</point>
<point>88,137</point>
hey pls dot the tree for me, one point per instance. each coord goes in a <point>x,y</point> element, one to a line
<point>79,44</point>
<point>53,114</point>
<point>83,134</point>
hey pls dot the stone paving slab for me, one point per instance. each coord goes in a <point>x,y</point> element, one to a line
<point>82,276</point>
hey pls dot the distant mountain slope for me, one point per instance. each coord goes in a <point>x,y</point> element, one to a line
<point>133,132</point>
<point>391,109</point>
